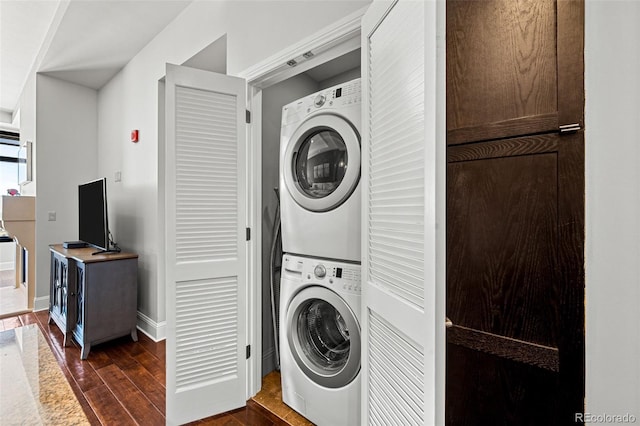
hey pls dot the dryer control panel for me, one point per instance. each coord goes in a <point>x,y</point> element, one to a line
<point>345,94</point>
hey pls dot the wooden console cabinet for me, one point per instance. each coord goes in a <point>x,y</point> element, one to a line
<point>94,297</point>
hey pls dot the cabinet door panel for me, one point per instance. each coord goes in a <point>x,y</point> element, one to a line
<point>515,279</point>
<point>510,66</point>
<point>502,275</point>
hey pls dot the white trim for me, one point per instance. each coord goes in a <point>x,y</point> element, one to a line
<point>156,331</point>
<point>41,304</point>
<point>254,213</point>
<point>329,43</point>
<point>439,72</point>
<point>333,41</point>
<point>7,266</point>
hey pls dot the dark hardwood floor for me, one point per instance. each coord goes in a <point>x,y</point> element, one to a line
<point>123,382</point>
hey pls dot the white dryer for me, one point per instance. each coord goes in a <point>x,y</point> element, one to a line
<point>320,339</point>
<point>320,174</point>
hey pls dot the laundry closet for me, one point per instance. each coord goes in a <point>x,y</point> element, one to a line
<point>220,330</point>
<point>342,69</point>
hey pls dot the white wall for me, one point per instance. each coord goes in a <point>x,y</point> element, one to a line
<point>255,30</point>
<point>349,75</point>
<point>612,58</point>
<point>66,154</point>
<point>28,129</point>
<point>7,256</point>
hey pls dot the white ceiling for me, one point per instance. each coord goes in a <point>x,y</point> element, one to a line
<point>83,41</point>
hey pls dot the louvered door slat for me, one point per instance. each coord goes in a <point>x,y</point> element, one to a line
<point>407,119</point>
<point>205,113</point>
<point>399,383</point>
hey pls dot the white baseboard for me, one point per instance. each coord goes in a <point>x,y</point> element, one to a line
<point>155,330</point>
<point>41,304</point>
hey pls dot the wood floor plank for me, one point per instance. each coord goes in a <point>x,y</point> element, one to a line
<point>133,400</point>
<point>158,349</point>
<point>228,419</point>
<point>107,408</point>
<point>29,318</point>
<point>42,316</point>
<point>150,387</point>
<point>121,351</point>
<point>84,403</point>
<point>153,366</point>
<point>99,359</point>
<point>82,372</point>
<point>86,377</point>
<point>256,414</point>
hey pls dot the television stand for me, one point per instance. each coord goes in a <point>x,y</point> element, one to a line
<point>105,252</point>
<point>93,298</point>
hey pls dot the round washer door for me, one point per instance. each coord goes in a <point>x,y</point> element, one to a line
<point>324,337</point>
<point>322,162</point>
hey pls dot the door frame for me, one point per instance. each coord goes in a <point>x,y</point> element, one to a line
<point>329,43</point>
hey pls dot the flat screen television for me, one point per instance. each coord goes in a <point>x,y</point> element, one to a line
<point>93,226</point>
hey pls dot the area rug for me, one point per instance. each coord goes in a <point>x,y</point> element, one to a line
<point>33,390</point>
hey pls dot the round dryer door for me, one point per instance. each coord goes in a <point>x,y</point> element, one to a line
<point>324,337</point>
<point>322,162</point>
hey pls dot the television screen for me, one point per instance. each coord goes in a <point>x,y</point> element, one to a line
<point>92,209</point>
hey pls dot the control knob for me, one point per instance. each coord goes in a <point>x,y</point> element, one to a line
<point>320,271</point>
<point>319,100</point>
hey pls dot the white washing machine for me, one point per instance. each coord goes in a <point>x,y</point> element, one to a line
<point>320,339</point>
<point>320,174</point>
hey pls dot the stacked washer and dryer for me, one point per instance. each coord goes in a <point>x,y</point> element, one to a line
<point>320,282</point>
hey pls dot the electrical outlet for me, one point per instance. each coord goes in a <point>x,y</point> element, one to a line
<point>52,216</point>
<point>118,176</point>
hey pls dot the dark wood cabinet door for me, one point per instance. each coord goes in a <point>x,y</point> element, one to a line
<point>515,212</point>
<point>515,283</point>
<point>514,67</point>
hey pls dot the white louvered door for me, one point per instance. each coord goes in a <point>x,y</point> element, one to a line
<point>205,213</point>
<point>403,217</point>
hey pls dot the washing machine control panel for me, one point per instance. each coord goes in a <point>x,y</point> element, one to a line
<point>345,278</point>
